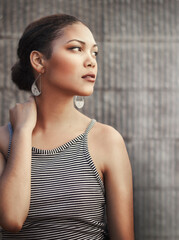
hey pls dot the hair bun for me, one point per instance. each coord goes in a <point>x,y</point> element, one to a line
<point>21,77</point>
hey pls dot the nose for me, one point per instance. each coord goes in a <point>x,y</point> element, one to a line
<point>90,61</point>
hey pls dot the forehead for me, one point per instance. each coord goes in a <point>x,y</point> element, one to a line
<point>77,31</point>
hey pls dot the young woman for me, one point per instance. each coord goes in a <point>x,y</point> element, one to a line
<point>62,174</point>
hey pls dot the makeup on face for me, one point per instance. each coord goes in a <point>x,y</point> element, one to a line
<point>79,45</point>
<point>73,64</point>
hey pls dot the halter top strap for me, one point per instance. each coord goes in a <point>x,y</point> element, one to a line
<point>10,137</point>
<point>90,125</point>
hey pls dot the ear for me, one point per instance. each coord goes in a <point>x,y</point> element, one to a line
<point>37,61</point>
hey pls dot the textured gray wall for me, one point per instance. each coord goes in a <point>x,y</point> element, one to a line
<point>137,91</point>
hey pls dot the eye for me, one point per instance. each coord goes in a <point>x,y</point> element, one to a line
<point>76,48</point>
<point>95,53</point>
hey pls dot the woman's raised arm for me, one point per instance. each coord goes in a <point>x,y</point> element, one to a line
<point>15,179</point>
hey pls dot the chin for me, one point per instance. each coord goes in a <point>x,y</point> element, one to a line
<point>88,92</point>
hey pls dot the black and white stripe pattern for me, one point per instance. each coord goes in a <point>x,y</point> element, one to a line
<point>67,194</point>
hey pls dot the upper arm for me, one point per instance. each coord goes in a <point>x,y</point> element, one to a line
<point>119,188</point>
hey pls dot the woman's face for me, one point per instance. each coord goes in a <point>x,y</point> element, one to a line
<point>73,57</point>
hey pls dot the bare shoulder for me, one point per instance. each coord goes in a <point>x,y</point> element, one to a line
<point>109,145</point>
<point>107,136</point>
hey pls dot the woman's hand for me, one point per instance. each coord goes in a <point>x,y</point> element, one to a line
<point>24,115</point>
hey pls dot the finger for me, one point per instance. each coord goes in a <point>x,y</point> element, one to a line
<point>31,98</point>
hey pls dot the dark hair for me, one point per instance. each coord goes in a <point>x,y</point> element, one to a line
<point>38,35</point>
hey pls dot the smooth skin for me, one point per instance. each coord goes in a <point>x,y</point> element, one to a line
<point>40,118</point>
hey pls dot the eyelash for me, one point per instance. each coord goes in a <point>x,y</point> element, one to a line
<point>96,53</point>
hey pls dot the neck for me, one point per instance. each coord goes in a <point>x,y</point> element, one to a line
<point>54,110</point>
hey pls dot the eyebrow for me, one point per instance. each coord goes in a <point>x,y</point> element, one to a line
<point>77,40</point>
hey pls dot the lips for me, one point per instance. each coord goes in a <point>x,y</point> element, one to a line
<point>89,76</point>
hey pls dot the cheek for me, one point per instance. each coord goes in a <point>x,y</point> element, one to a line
<point>63,66</point>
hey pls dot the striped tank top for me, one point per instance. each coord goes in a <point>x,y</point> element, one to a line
<point>67,194</point>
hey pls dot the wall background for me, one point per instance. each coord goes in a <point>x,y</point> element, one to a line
<point>137,91</point>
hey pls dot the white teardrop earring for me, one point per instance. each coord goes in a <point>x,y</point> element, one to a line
<point>34,89</point>
<point>79,101</point>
